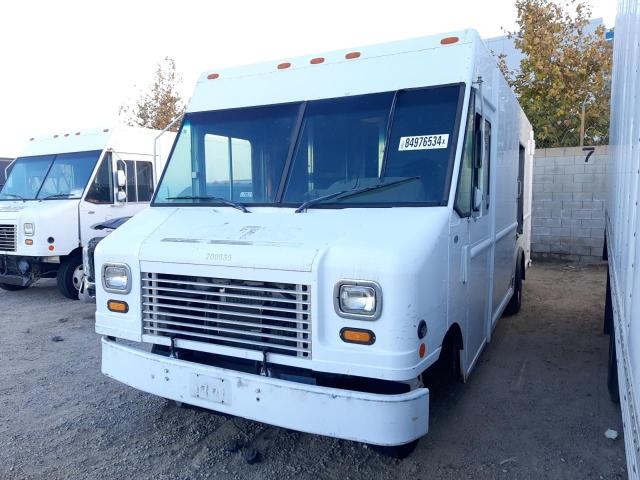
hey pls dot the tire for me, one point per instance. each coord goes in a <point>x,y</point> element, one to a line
<point>397,451</point>
<point>69,276</point>
<point>12,288</point>
<point>612,376</point>
<point>513,307</point>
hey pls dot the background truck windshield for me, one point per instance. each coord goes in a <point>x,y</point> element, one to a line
<point>47,177</point>
<point>289,154</point>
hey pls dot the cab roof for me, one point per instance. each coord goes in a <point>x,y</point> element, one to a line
<point>120,137</point>
<point>434,60</point>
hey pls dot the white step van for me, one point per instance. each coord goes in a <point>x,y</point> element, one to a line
<point>326,228</point>
<point>622,219</point>
<point>61,185</point>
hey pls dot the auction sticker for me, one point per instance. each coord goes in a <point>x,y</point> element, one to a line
<point>423,142</point>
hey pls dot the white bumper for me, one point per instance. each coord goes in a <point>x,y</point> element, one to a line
<point>364,417</point>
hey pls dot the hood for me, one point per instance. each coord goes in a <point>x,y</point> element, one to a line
<point>10,207</point>
<point>277,239</point>
<point>57,219</point>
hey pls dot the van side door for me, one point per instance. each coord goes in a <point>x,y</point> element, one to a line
<point>473,205</point>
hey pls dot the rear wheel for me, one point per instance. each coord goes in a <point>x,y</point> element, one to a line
<point>515,303</point>
<point>12,288</point>
<point>70,275</point>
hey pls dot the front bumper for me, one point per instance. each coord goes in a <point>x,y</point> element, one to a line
<point>364,417</point>
<point>9,273</point>
<point>87,292</point>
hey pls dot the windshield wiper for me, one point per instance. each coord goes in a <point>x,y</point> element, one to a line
<point>349,193</point>
<point>57,195</point>
<point>229,203</point>
<point>310,203</point>
<point>15,196</point>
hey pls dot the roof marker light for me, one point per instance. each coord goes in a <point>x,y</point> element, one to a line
<point>284,65</point>
<point>105,130</point>
<point>31,139</point>
<point>449,40</point>
<point>317,60</point>
<point>55,136</point>
<point>66,134</point>
<point>352,55</point>
<point>77,133</point>
<point>213,76</point>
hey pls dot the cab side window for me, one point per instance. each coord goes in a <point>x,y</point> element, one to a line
<point>139,181</point>
<point>463,202</point>
<point>132,192</point>
<point>144,181</point>
<point>473,194</point>
<point>101,189</point>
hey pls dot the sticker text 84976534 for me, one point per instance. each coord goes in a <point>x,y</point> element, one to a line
<point>424,142</point>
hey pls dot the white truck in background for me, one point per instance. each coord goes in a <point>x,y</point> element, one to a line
<point>622,248</point>
<point>62,184</point>
<point>326,229</point>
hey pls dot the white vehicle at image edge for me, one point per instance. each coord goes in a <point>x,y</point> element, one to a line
<point>62,184</point>
<point>622,249</point>
<point>326,228</point>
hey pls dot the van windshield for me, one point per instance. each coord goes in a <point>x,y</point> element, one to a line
<point>327,150</point>
<point>49,177</point>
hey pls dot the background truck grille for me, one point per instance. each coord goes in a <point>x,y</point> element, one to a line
<point>270,316</point>
<point>7,238</point>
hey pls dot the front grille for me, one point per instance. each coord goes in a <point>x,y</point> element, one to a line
<point>255,315</point>
<point>7,238</point>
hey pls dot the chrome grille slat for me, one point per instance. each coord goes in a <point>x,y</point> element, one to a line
<point>249,315</point>
<point>256,315</point>
<point>217,337</point>
<point>222,285</point>
<point>217,320</point>
<point>225,304</point>
<point>246,333</point>
<point>7,238</point>
<point>224,294</point>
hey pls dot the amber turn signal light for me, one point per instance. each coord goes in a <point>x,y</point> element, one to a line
<point>28,241</point>
<point>117,306</point>
<point>357,335</point>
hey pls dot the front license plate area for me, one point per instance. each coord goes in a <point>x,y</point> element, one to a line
<point>215,390</point>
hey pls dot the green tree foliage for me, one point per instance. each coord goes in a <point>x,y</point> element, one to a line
<point>563,70</point>
<point>161,103</point>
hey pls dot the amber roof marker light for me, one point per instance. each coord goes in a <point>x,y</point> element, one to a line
<point>352,55</point>
<point>284,65</point>
<point>213,76</point>
<point>449,40</point>
<point>316,61</point>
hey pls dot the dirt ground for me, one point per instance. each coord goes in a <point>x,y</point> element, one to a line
<point>535,407</point>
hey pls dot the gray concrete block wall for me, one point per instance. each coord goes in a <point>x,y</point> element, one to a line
<point>569,199</point>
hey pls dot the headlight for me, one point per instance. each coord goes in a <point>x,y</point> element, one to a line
<point>116,278</point>
<point>361,300</point>
<point>29,229</point>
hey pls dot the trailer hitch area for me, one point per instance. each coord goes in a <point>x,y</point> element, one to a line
<point>265,371</point>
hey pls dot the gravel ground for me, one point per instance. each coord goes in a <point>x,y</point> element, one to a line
<point>535,407</point>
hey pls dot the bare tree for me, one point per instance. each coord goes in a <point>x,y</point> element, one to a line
<point>161,103</point>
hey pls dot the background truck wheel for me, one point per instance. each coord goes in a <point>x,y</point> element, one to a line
<point>612,377</point>
<point>12,288</point>
<point>70,276</point>
<point>397,451</point>
<point>515,303</point>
